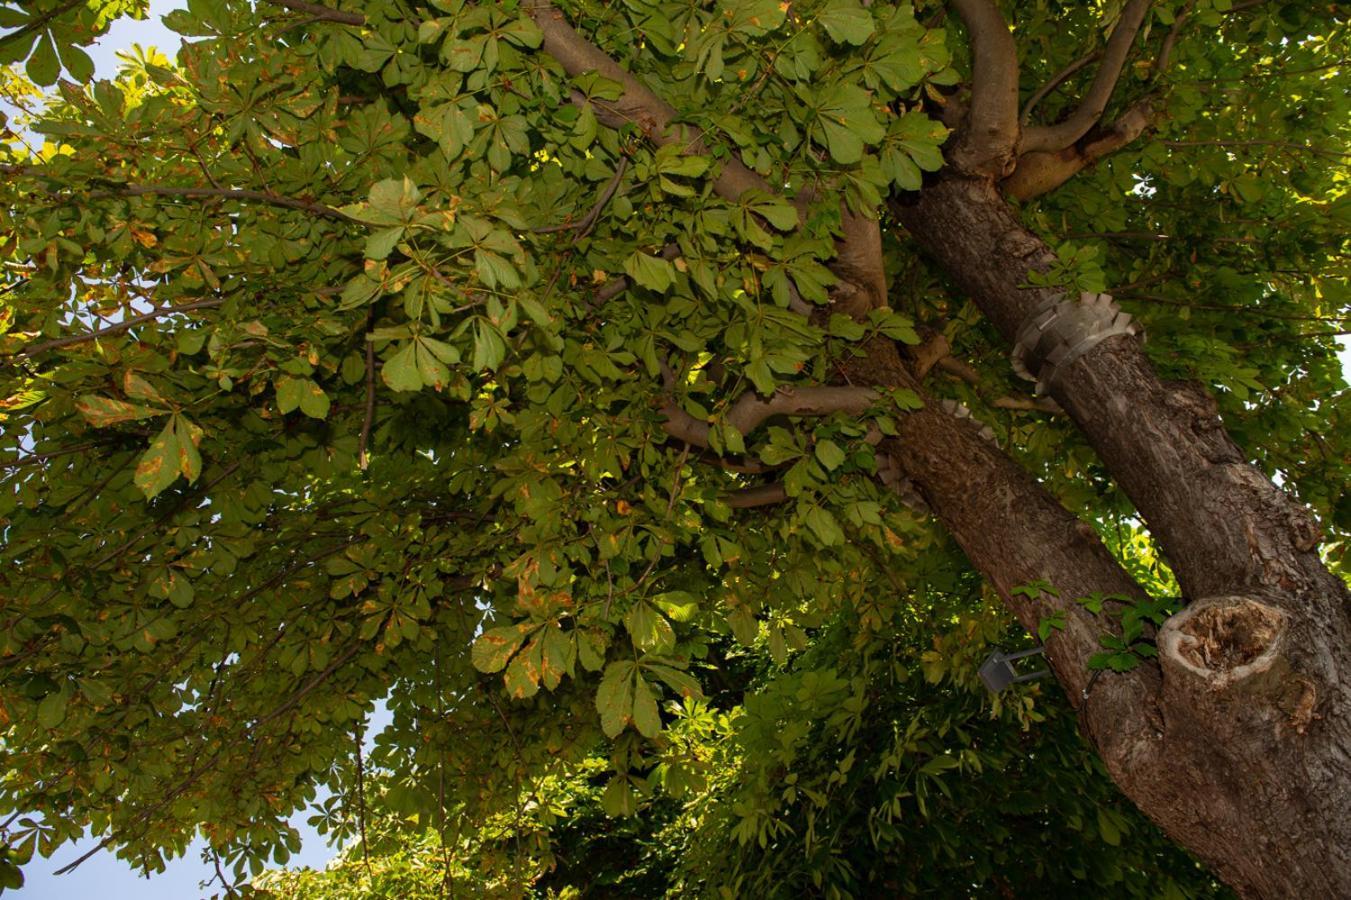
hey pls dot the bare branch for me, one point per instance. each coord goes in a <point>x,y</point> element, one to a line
<point>1028,404</point>
<point>584,225</point>
<point>749,412</point>
<point>319,13</point>
<point>37,458</point>
<point>1055,82</point>
<point>762,495</point>
<point>1170,40</point>
<point>986,145</point>
<point>1043,171</point>
<point>959,369</point>
<point>1090,110</point>
<point>364,441</point>
<point>164,190</point>
<point>35,349</point>
<point>927,355</point>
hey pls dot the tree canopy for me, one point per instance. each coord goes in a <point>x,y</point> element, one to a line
<point>513,366</point>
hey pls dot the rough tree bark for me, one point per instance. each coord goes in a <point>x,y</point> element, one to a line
<point>1251,768</point>
<point>1251,763</point>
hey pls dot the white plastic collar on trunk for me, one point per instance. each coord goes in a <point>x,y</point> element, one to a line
<point>1061,331</point>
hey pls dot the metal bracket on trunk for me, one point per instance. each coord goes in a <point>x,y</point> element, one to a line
<point>1061,330</point>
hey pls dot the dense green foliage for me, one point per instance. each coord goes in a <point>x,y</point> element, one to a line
<point>602,674</point>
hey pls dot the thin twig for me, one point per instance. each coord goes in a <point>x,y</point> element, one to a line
<point>322,13</point>
<point>1055,82</point>
<point>361,808</point>
<point>35,349</point>
<point>364,441</point>
<point>587,222</point>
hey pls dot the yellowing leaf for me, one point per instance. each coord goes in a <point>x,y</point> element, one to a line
<point>614,698</point>
<point>188,436</point>
<point>159,466</point>
<point>495,646</point>
<point>101,412</point>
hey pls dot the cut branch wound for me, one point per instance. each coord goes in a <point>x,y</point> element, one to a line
<point>1223,640</point>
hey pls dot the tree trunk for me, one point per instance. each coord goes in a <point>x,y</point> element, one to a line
<point>1251,764</point>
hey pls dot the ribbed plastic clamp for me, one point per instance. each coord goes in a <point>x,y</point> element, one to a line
<point>1061,331</point>
<point>960,411</point>
<point>890,473</point>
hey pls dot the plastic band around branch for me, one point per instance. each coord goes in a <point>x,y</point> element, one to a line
<point>960,411</point>
<point>1061,331</point>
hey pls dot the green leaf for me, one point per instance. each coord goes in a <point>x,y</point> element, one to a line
<point>380,244</point>
<point>289,392</point>
<point>489,348</point>
<point>77,63</point>
<point>400,371</point>
<point>830,454</point>
<point>52,710</point>
<point>619,798</point>
<point>313,401</point>
<point>646,717</point>
<point>680,682</point>
<point>650,271</point>
<point>648,628</point>
<point>557,656</point>
<point>523,672</point>
<point>846,21</point>
<point>188,437</point>
<point>1107,827</point>
<point>43,67</point>
<point>137,388</point>
<point>824,526</point>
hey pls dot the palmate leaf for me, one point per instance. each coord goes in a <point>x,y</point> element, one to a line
<point>846,21</point>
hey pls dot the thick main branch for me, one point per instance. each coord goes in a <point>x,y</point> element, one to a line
<point>986,143</point>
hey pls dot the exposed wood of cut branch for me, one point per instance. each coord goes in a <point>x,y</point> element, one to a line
<point>1090,110</point>
<point>991,131</point>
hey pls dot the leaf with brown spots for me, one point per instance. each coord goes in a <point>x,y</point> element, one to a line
<point>159,465</point>
<point>494,647</point>
<point>102,412</point>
